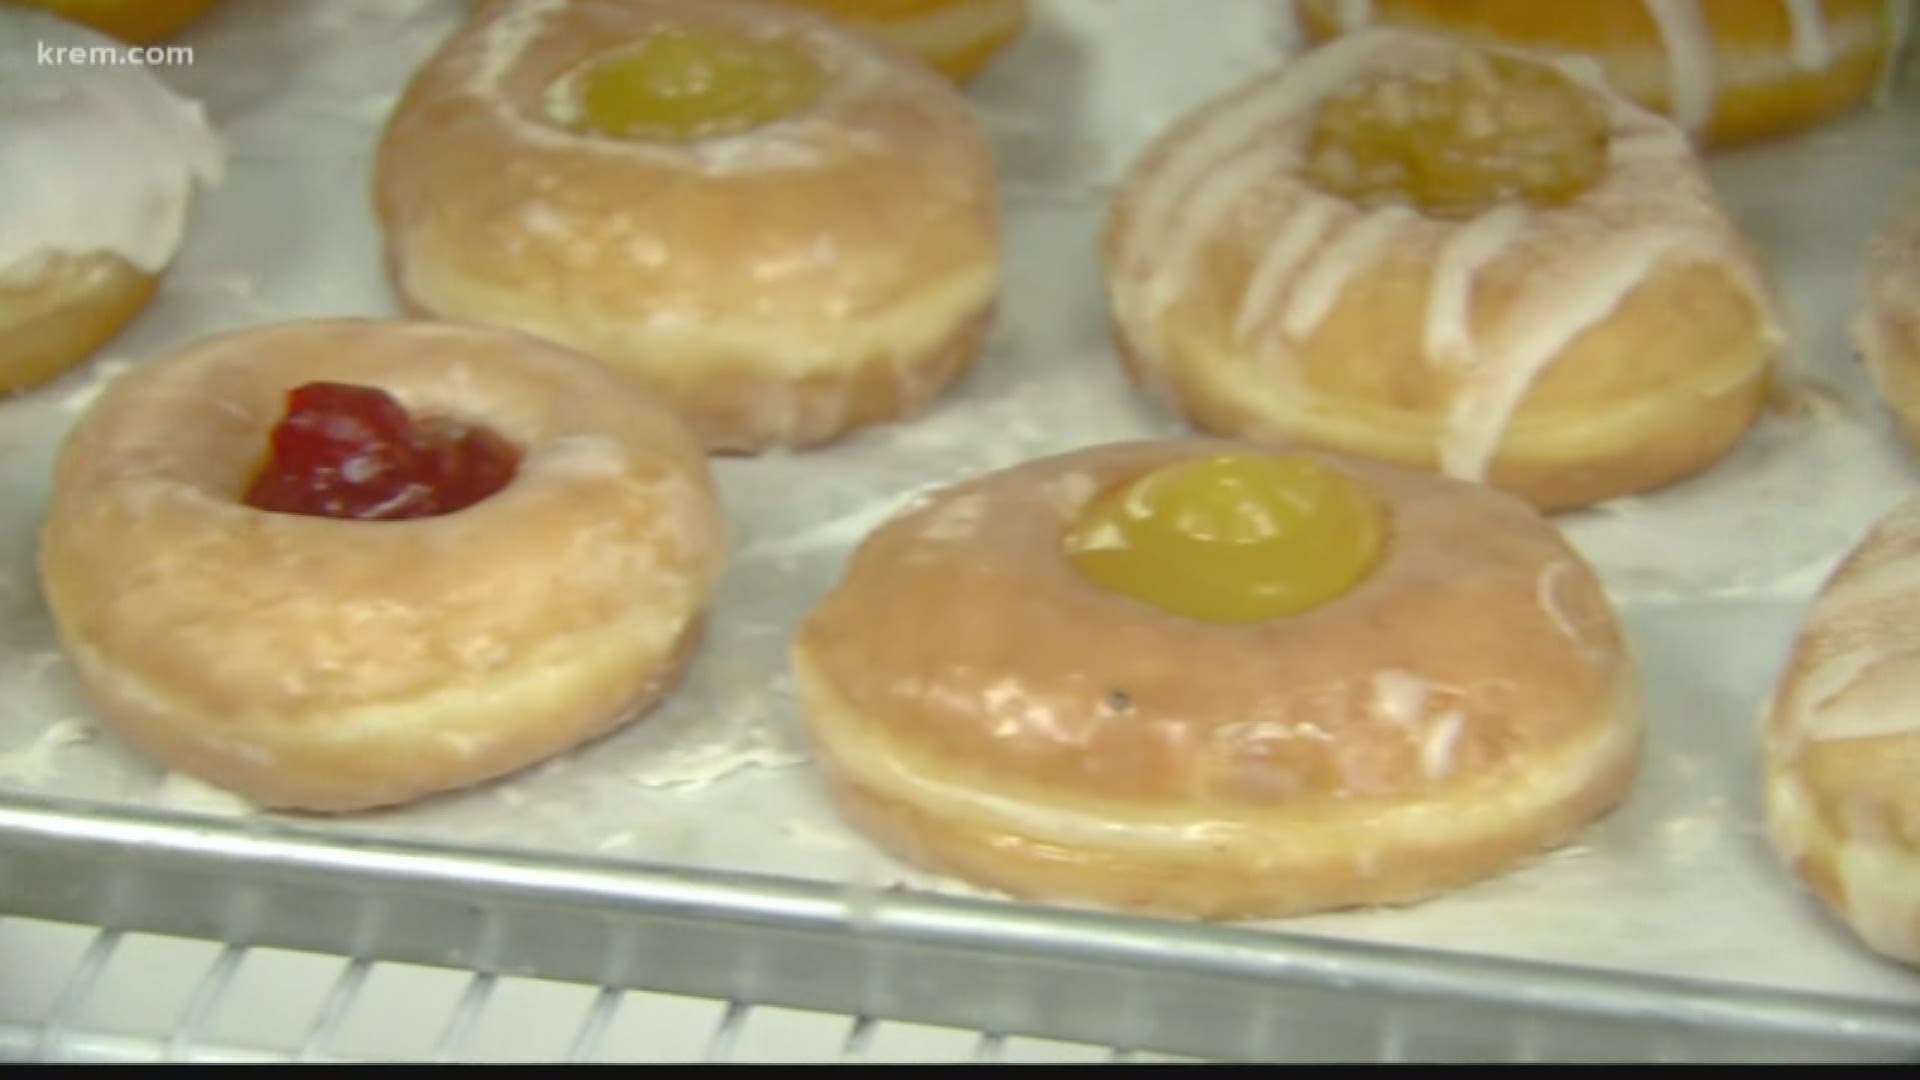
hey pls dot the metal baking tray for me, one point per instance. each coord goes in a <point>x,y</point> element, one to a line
<point>693,851</point>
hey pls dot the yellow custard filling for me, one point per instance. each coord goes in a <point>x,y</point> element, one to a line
<point>1491,129</point>
<point>684,83</point>
<point>1237,538</point>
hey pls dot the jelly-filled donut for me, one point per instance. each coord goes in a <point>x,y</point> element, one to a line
<point>98,165</point>
<point>342,564</point>
<point>1728,71</point>
<point>1405,248</point>
<point>1220,680</point>
<point>785,228</point>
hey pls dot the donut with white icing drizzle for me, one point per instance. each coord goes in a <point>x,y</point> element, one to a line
<point>781,284</point>
<point>1887,327</point>
<point>1568,353</point>
<point>98,167</point>
<point>1729,71</point>
<point>316,663</point>
<point>1841,759</point>
<point>978,707</point>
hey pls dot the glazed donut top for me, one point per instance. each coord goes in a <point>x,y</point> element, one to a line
<point>961,634</point>
<point>1688,38</point>
<point>610,506</point>
<point>875,187</point>
<point>1217,208</point>
<point>94,157</point>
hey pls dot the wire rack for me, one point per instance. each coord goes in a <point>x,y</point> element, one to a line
<point>154,936</point>
<point>79,993</point>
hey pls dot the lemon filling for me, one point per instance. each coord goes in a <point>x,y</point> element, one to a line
<point>684,83</point>
<point>1491,129</point>
<point>1236,538</point>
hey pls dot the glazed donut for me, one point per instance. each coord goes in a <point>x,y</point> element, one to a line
<point>310,663</point>
<point>1728,71</point>
<point>958,37</point>
<point>98,164</point>
<point>1842,742</point>
<point>136,22</point>
<point>1887,328</point>
<point>980,706</point>
<point>808,249</point>
<point>1608,334</point>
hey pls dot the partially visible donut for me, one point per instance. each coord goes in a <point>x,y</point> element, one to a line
<point>959,37</point>
<point>1841,748</point>
<point>1728,71</point>
<point>98,164</point>
<point>137,22</point>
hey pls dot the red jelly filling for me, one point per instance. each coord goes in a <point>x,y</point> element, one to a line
<point>353,452</point>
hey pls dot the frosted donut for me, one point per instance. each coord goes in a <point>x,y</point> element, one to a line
<point>333,665</point>
<point>1728,71</point>
<point>978,706</point>
<point>1887,327</point>
<point>1842,742</point>
<point>98,164</point>
<point>828,261</point>
<point>1571,352</point>
<point>959,37</point>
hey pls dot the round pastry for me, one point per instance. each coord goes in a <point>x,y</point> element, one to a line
<point>1887,328</point>
<point>1413,250</point>
<point>343,564</point>
<point>97,170</point>
<point>1728,71</point>
<point>786,229</point>
<point>136,22</point>
<point>1841,753</point>
<point>1210,679</point>
<point>958,37</point>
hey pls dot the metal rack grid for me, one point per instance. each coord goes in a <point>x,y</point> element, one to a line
<point>90,994</point>
<point>746,948</point>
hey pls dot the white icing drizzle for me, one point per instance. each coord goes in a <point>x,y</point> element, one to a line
<point>1283,257</point>
<point>1225,177</point>
<point>1228,131</point>
<point>1506,366</point>
<point>1204,212</point>
<point>1448,337</point>
<point>1689,59</point>
<point>93,157</point>
<point>1320,287</point>
<point>1812,49</point>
